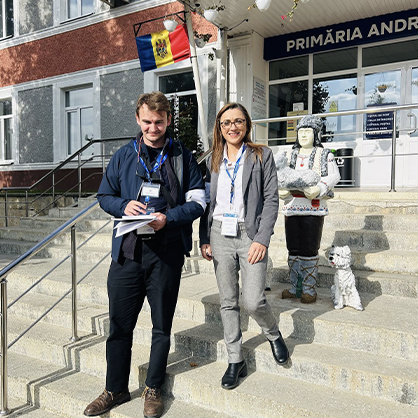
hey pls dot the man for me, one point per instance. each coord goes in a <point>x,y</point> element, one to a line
<point>157,175</point>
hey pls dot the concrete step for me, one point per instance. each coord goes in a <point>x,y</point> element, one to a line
<point>377,283</point>
<point>359,221</point>
<point>375,330</point>
<point>63,392</point>
<point>370,240</point>
<point>338,369</point>
<point>49,224</point>
<point>406,207</point>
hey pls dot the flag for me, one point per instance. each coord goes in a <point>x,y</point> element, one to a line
<point>158,49</point>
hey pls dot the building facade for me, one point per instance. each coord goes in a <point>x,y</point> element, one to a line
<point>69,70</point>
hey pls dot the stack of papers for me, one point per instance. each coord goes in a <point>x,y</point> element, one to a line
<point>130,223</point>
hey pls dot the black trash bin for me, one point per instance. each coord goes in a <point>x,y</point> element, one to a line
<point>345,166</point>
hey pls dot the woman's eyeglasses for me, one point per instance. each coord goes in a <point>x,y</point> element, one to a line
<point>228,123</point>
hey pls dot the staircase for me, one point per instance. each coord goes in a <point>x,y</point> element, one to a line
<point>344,363</point>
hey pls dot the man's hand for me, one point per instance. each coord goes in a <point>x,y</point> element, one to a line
<point>160,222</point>
<point>134,208</point>
<point>311,192</point>
<point>206,251</point>
<point>256,252</point>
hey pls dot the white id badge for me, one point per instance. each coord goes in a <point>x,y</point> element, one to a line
<point>229,224</point>
<point>150,189</point>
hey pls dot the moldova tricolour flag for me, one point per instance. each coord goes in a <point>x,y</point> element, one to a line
<point>163,48</point>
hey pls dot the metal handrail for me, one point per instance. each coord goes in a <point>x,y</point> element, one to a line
<point>394,109</point>
<point>70,224</point>
<point>75,158</point>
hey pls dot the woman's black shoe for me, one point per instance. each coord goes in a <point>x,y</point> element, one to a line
<point>233,373</point>
<point>280,351</point>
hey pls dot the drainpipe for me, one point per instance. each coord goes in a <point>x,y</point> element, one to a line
<point>221,70</point>
<point>195,67</point>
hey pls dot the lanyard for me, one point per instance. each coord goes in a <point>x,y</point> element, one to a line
<point>158,163</point>
<point>234,175</point>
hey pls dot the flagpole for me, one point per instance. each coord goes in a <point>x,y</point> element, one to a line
<point>195,67</point>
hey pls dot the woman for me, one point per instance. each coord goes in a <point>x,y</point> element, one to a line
<point>236,229</point>
<point>305,208</point>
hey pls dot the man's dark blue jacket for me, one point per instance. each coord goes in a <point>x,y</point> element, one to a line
<point>120,184</point>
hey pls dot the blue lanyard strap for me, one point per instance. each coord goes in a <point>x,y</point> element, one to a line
<point>234,175</point>
<point>158,163</point>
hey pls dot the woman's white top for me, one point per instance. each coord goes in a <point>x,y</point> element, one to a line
<point>223,193</point>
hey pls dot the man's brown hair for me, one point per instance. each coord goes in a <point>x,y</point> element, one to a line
<point>156,102</point>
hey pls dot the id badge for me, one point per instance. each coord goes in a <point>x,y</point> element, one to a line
<point>229,224</point>
<point>150,189</point>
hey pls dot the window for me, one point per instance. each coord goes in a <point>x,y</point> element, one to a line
<point>291,67</point>
<point>77,8</point>
<point>6,129</point>
<point>6,18</point>
<point>342,59</point>
<point>79,118</point>
<point>334,94</point>
<point>385,54</point>
<point>180,88</point>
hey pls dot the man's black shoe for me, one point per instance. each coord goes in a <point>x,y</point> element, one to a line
<point>280,351</point>
<point>233,373</point>
<point>106,401</point>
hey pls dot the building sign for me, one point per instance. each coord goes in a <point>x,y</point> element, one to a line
<point>259,107</point>
<point>344,35</point>
<point>381,123</point>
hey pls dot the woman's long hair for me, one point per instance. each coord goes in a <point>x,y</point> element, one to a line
<point>219,141</point>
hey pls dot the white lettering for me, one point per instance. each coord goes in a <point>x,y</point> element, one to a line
<point>316,41</point>
<point>400,25</point>
<point>290,45</point>
<point>386,28</point>
<point>300,43</point>
<point>373,31</point>
<point>339,36</point>
<point>329,39</point>
<point>357,34</point>
<point>413,22</point>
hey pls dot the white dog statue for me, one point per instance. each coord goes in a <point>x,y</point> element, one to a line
<point>344,292</point>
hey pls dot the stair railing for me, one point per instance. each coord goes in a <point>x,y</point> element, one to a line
<point>4,345</point>
<point>393,131</point>
<point>67,164</point>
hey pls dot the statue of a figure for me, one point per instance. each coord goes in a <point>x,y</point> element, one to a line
<point>305,183</point>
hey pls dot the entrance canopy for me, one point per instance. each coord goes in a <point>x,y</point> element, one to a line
<point>313,14</point>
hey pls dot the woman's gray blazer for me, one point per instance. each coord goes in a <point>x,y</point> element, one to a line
<point>261,198</point>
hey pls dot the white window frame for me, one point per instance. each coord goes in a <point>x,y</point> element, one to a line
<point>60,115</point>
<point>61,11</point>
<point>2,128</point>
<point>4,34</point>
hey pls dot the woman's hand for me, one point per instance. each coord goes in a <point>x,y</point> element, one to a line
<point>256,252</point>
<point>206,251</point>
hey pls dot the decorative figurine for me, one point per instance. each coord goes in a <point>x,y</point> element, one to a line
<point>344,292</point>
<point>305,183</point>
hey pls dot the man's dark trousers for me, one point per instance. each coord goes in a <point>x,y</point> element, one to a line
<point>155,273</point>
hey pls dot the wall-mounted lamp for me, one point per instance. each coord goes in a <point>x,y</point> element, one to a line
<point>170,24</point>
<point>263,5</point>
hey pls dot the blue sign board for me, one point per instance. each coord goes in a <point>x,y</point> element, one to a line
<point>343,35</point>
